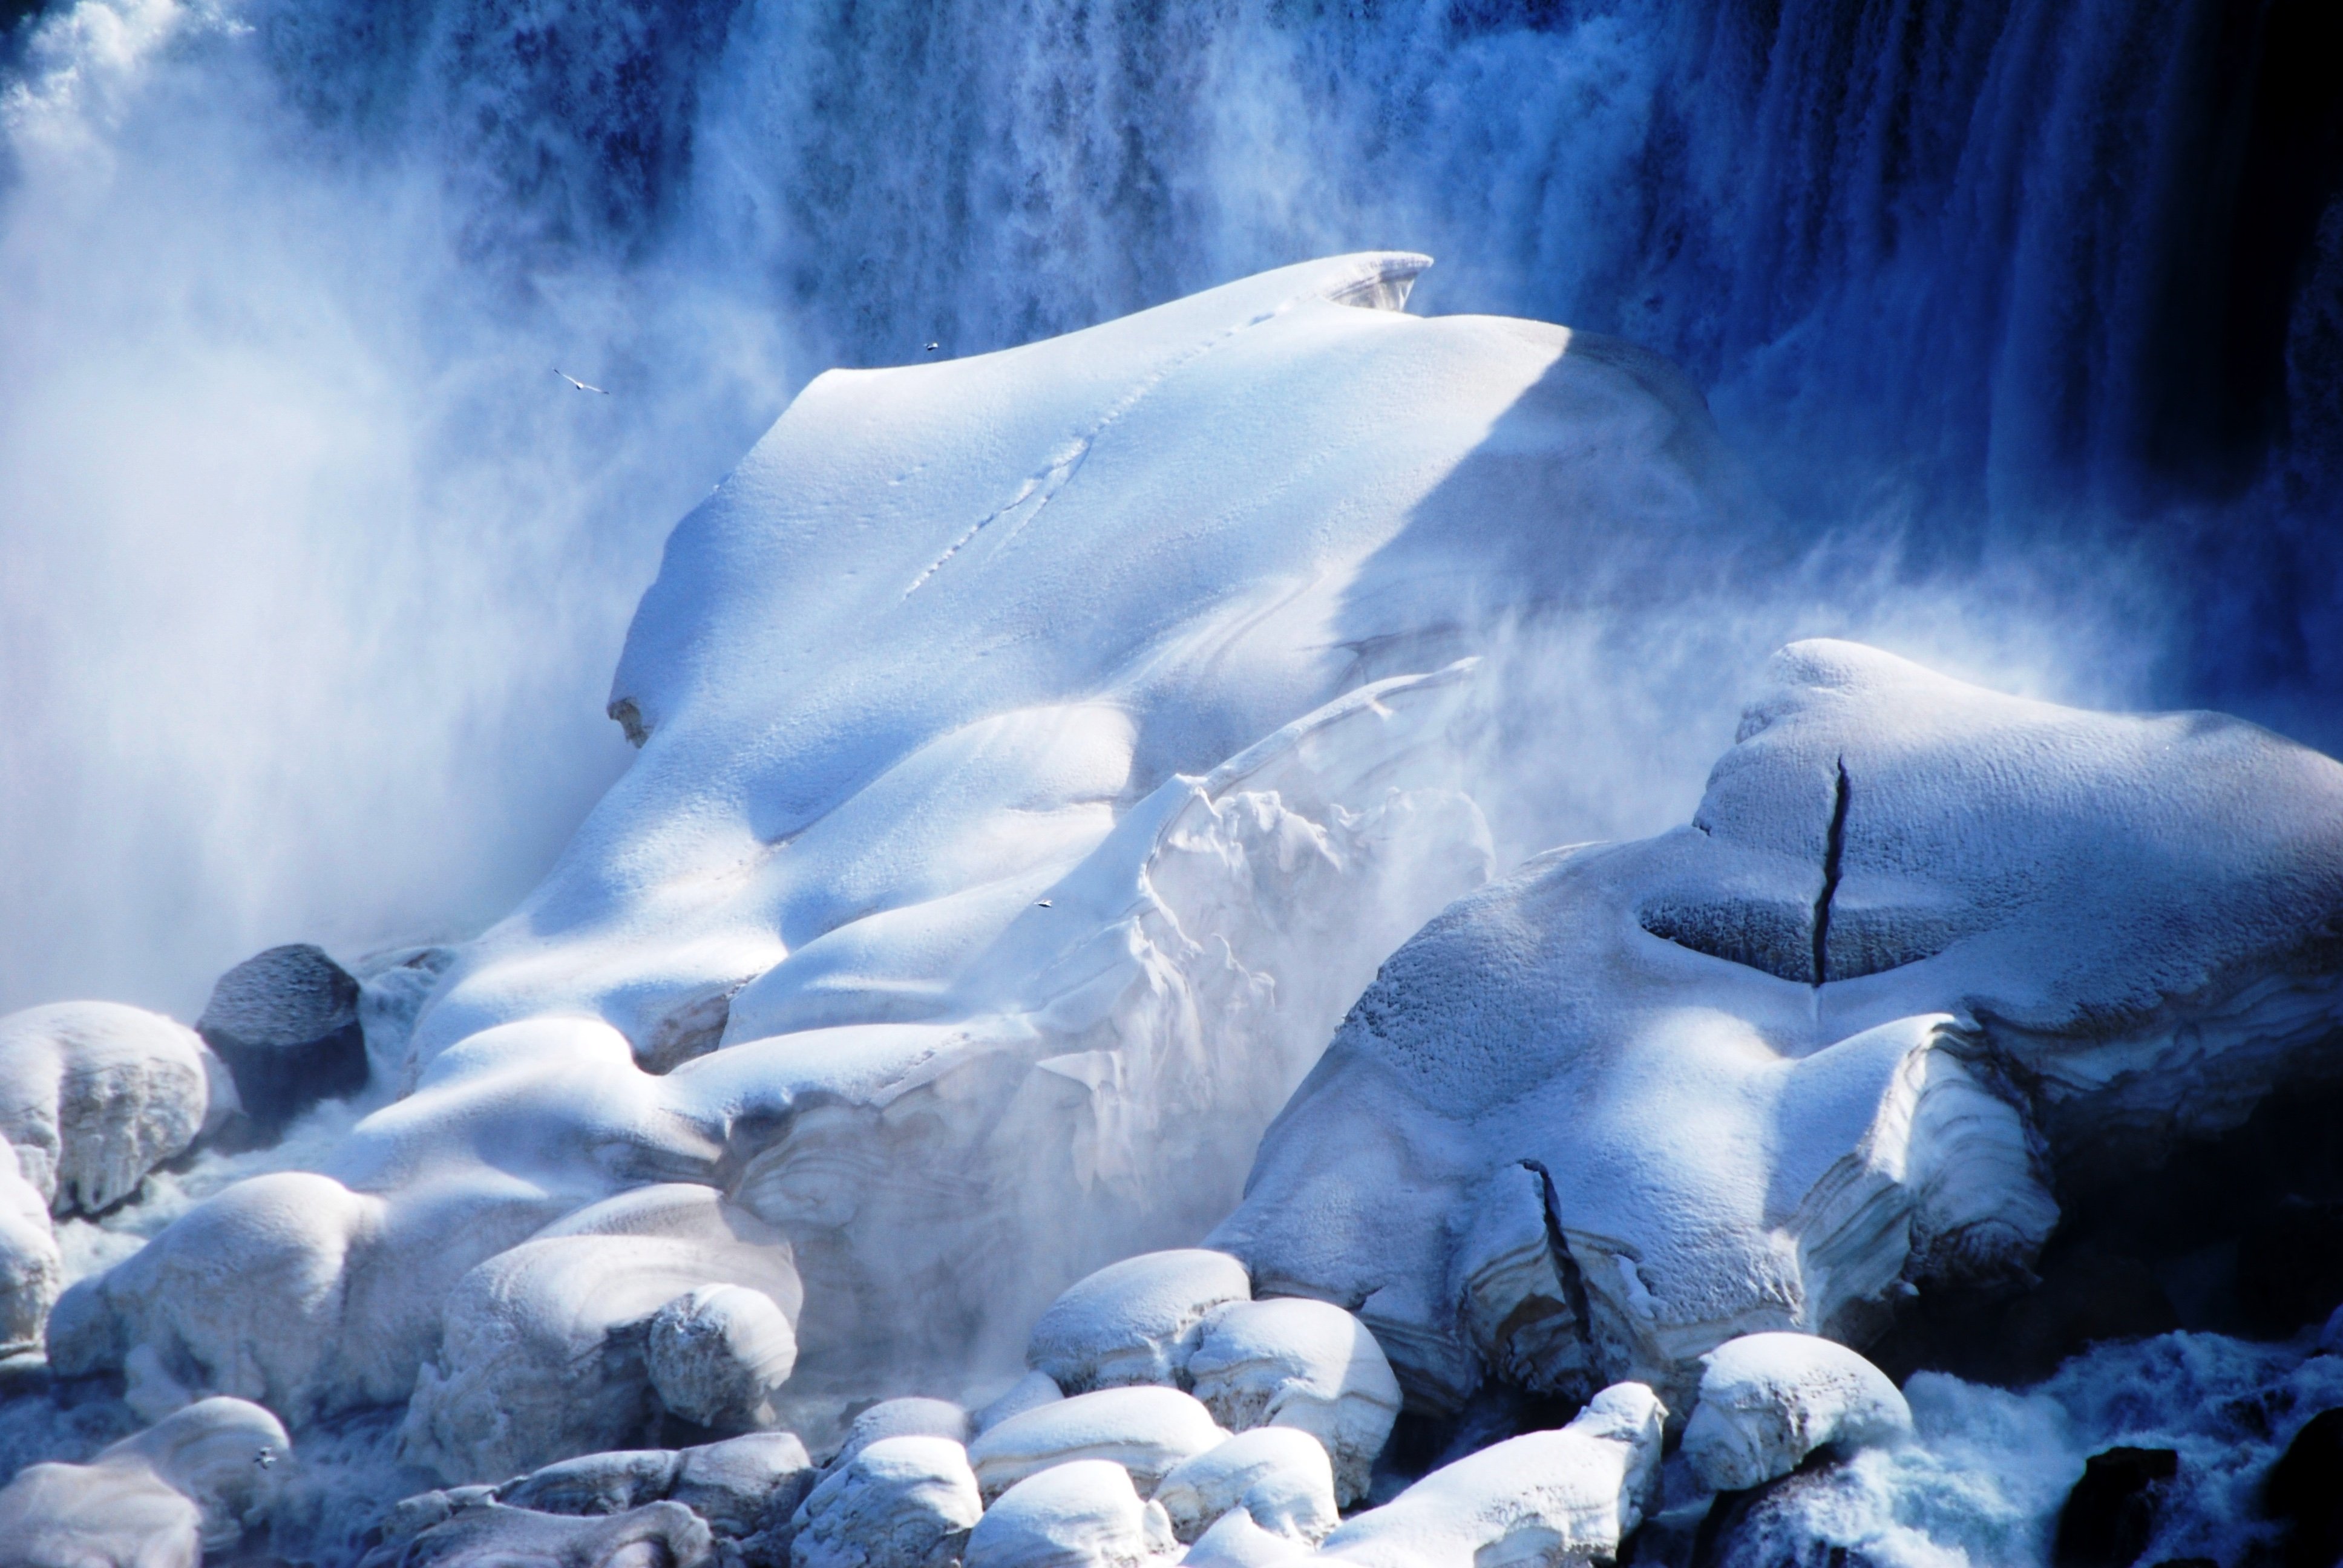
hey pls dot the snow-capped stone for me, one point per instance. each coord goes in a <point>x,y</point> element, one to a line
<point>1032,1391</point>
<point>32,1270</point>
<point>1305,1365</point>
<point>1776,1068</point>
<point>1082,1514</point>
<point>900,1503</point>
<point>94,1095</point>
<point>1134,1321</point>
<point>1147,1430</point>
<point>595,1483</point>
<point>1540,1500</point>
<point>717,1354</point>
<point>1279,1476</point>
<point>1768,1401</point>
<point>285,1023</point>
<point>1238,1542</point>
<point>492,1535</point>
<point>188,1486</point>
<point>745,1484</point>
<point>543,1349</point>
<point>913,1416</point>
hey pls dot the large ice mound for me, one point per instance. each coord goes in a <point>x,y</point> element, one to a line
<point>1818,1052</point>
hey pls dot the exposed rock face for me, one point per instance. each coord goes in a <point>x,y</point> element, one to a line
<point>1824,1048</point>
<point>285,1022</point>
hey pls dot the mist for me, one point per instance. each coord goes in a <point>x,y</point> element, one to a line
<point>314,568</point>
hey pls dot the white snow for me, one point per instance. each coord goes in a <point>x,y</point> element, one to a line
<point>1134,1321</point>
<point>1279,1477</point>
<point>184,1487</point>
<point>1082,1514</point>
<point>1305,1364</point>
<point>1147,1430</point>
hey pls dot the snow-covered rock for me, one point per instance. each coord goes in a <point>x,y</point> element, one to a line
<point>1768,1401</point>
<point>94,1095</point>
<point>595,1483</point>
<point>1147,1430</point>
<point>1082,1514</point>
<point>899,1502</point>
<point>1237,1541</point>
<point>1278,1476</point>
<point>717,1354</point>
<point>285,1022</point>
<point>189,1485</point>
<point>1540,1500</point>
<point>1778,1069</point>
<point>492,1535</point>
<point>915,1416</point>
<point>545,1347</point>
<point>1134,1321</point>
<point>32,1270</point>
<point>1031,1392</point>
<point>1305,1365</point>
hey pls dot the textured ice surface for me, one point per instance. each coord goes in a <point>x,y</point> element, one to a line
<point>1768,1401</point>
<point>1775,1068</point>
<point>1548,1498</point>
<point>900,1503</point>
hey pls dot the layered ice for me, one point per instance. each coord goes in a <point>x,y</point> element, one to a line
<point>1818,1052</point>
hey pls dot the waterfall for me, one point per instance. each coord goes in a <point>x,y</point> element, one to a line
<point>314,571</point>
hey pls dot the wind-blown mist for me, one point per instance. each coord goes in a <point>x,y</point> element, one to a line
<point>314,571</point>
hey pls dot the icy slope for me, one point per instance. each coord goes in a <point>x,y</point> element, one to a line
<point>1819,1051</point>
<point>1038,754</point>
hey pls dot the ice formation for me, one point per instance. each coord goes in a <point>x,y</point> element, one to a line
<point>185,1487</point>
<point>1812,1054</point>
<point>1768,1400</point>
<point>1040,754</point>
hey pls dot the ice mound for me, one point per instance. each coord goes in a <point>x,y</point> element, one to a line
<point>1134,1321</point>
<point>185,1487</point>
<point>1546,1499</point>
<point>1768,1400</point>
<point>1147,1430</point>
<point>94,1095</point>
<point>1279,1477</point>
<point>1083,1514</point>
<point>900,1503</point>
<point>1817,1052</point>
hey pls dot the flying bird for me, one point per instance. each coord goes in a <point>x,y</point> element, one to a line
<point>581,386</point>
<point>930,347</point>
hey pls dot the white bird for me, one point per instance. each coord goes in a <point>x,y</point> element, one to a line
<point>581,386</point>
<point>1042,905</point>
<point>930,347</point>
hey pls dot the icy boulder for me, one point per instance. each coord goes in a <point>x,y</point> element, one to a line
<point>285,1023</point>
<point>900,1503</point>
<point>1768,1401</point>
<point>1279,1477</point>
<point>551,1348</point>
<point>1147,1430</point>
<point>94,1095</point>
<point>913,1417</point>
<point>1540,1500</point>
<point>187,1487</point>
<point>492,1535</point>
<point>1083,1514</point>
<point>32,1271</point>
<point>1304,1364</point>
<point>1785,1067</point>
<point>1134,1321</point>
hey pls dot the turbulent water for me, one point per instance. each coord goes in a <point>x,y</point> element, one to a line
<point>313,568</point>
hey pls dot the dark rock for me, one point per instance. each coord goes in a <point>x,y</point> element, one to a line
<point>2305,1491</point>
<point>285,1023</point>
<point>1777,1525</point>
<point>2111,1514</point>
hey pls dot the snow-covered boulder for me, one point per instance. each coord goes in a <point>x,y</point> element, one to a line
<point>1082,1514</point>
<point>32,1270</point>
<point>910,1417</point>
<point>1779,1068</point>
<point>1305,1365</point>
<point>1768,1401</point>
<point>595,1483</point>
<point>1279,1476</point>
<point>1540,1500</point>
<point>189,1485</point>
<point>1134,1321</point>
<point>717,1354</point>
<point>1147,1430</point>
<point>1031,1392</point>
<point>493,1535</point>
<point>544,1347</point>
<point>94,1095</point>
<point>900,1503</point>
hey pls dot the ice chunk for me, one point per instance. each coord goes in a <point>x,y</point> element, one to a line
<point>544,1351</point>
<point>1768,1401</point>
<point>492,1535</point>
<point>1539,1501</point>
<point>1082,1514</point>
<point>188,1486</point>
<point>94,1095</point>
<point>900,1503</point>
<point>1278,1476</point>
<point>1147,1430</point>
<point>911,1417</point>
<point>716,1355</point>
<point>1134,1321</point>
<point>1301,1363</point>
